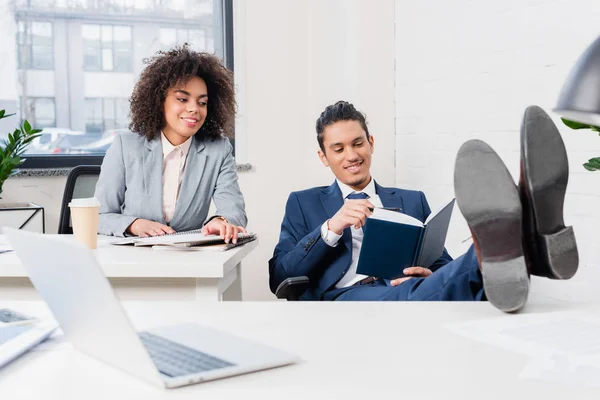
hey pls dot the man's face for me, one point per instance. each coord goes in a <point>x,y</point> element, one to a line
<point>348,153</point>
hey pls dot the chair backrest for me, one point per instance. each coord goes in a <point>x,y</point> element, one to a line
<point>81,183</point>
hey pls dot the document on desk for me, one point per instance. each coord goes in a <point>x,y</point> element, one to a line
<point>190,238</point>
<point>4,245</point>
<point>564,346</point>
<point>573,334</point>
<point>560,369</point>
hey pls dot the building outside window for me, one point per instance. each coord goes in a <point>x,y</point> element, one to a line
<point>35,45</point>
<point>74,63</point>
<point>107,48</point>
<point>39,111</point>
<point>106,114</point>
<point>196,38</point>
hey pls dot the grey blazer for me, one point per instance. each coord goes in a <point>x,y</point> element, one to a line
<point>130,184</point>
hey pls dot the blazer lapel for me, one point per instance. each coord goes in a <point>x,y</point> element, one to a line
<point>332,201</point>
<point>389,198</point>
<point>192,175</point>
<point>152,162</point>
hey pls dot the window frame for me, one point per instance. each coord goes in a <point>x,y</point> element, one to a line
<point>30,45</point>
<point>71,160</point>
<point>36,98</point>
<point>112,49</point>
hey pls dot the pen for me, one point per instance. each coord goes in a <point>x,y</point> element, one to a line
<point>385,208</point>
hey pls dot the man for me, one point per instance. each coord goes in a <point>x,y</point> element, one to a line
<point>321,231</point>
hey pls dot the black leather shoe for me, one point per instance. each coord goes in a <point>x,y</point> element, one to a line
<point>489,200</point>
<point>550,247</point>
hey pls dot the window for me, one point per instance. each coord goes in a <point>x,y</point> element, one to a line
<point>38,111</point>
<point>34,44</point>
<point>75,63</point>
<point>105,114</point>
<point>196,38</point>
<point>107,48</point>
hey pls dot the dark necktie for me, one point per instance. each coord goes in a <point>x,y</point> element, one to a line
<point>357,196</point>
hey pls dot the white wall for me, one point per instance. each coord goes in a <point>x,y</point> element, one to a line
<point>293,58</point>
<point>467,69</point>
<point>299,56</point>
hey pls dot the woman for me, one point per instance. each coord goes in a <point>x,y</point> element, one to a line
<point>161,178</point>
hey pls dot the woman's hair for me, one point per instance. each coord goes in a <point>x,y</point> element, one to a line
<point>168,69</point>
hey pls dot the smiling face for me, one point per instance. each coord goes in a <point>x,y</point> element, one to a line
<point>185,110</point>
<point>347,151</point>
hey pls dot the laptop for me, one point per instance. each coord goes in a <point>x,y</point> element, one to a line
<point>20,333</point>
<point>69,279</point>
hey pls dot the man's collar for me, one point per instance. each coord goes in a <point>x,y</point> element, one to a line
<point>346,190</point>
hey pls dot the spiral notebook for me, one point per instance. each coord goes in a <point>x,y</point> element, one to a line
<point>205,246</point>
<point>189,238</point>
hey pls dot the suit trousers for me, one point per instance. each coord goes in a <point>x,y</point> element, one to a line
<point>459,280</point>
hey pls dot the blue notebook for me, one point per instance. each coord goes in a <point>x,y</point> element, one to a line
<point>393,241</point>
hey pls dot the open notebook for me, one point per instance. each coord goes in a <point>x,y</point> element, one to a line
<point>393,241</point>
<point>181,239</point>
<point>205,246</point>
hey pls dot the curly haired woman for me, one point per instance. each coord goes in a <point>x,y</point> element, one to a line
<point>161,178</point>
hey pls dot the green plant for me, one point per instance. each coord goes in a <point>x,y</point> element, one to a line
<point>13,147</point>
<point>593,164</point>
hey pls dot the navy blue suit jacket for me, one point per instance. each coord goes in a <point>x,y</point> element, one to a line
<point>302,252</point>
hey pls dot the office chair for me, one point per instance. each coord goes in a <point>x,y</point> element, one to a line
<point>81,183</point>
<point>292,288</point>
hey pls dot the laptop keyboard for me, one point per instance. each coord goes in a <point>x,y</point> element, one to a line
<point>174,359</point>
<point>7,315</point>
<point>9,332</point>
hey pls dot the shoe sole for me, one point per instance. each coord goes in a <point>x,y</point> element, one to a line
<point>489,200</point>
<point>546,174</point>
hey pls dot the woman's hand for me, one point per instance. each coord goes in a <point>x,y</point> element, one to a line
<point>217,226</point>
<point>144,228</point>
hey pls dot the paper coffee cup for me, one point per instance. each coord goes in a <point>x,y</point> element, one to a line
<point>84,218</point>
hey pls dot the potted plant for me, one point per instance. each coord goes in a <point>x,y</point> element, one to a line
<point>13,148</point>
<point>593,164</point>
<point>11,151</point>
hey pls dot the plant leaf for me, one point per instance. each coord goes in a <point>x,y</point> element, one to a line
<point>13,147</point>
<point>4,115</point>
<point>579,125</point>
<point>574,125</point>
<point>593,164</point>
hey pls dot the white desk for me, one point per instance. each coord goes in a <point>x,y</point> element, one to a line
<point>139,273</point>
<point>348,350</point>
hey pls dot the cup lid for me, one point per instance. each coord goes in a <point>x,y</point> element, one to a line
<point>87,202</point>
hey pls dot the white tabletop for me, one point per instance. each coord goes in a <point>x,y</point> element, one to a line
<point>349,350</point>
<point>143,262</point>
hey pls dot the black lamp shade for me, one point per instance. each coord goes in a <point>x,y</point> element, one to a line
<point>579,99</point>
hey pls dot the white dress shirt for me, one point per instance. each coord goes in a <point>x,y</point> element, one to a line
<point>332,238</point>
<point>173,166</point>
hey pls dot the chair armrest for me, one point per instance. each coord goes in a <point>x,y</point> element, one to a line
<point>292,288</point>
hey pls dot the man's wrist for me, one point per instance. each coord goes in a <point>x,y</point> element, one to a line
<point>329,237</point>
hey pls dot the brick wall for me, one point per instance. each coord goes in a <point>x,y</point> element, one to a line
<point>467,69</point>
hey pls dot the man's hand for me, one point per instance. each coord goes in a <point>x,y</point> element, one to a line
<point>353,213</point>
<point>144,228</point>
<point>414,272</point>
<point>224,229</point>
